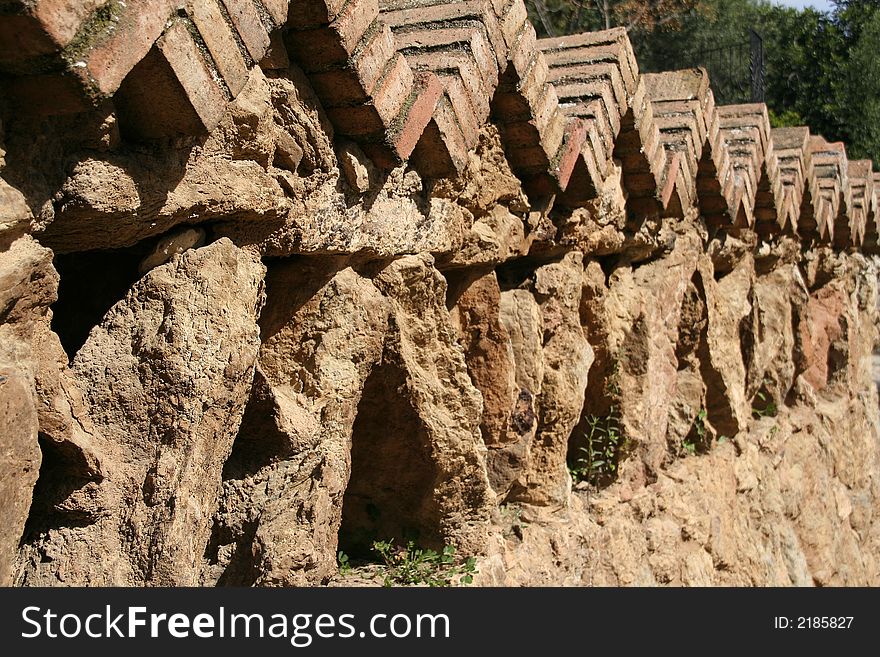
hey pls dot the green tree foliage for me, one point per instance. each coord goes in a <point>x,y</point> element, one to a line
<point>822,69</point>
<point>555,17</point>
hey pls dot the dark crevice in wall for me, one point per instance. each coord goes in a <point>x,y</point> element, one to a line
<point>91,283</point>
<point>259,442</point>
<point>514,273</point>
<point>63,474</point>
<point>393,474</point>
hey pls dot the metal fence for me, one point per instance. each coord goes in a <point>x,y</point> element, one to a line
<point>736,71</point>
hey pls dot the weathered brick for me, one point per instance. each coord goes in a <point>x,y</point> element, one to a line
<point>276,58</point>
<point>137,28</point>
<point>550,122</point>
<point>570,152</point>
<point>476,14</point>
<point>440,151</point>
<point>250,28</point>
<point>221,43</point>
<point>30,30</point>
<point>278,10</point>
<point>462,66</point>
<point>461,106</point>
<point>312,13</point>
<point>56,93</point>
<point>513,19</point>
<point>605,74</point>
<point>359,121</point>
<point>413,120</point>
<point>609,46</point>
<point>171,91</point>
<point>393,89</point>
<point>454,42</point>
<point>590,99</point>
<point>319,49</point>
<point>528,160</point>
<point>373,55</point>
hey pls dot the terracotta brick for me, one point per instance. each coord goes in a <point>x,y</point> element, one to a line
<point>60,93</point>
<point>532,90</point>
<point>250,28</point>
<point>185,59</point>
<point>596,165</point>
<point>513,19</point>
<point>454,42</point>
<point>610,46</point>
<point>393,89</point>
<point>524,49</point>
<point>444,63</point>
<point>440,151</point>
<point>475,14</point>
<point>591,101</point>
<point>312,13</point>
<point>340,86</point>
<point>356,79</point>
<point>677,85</point>
<point>221,43</point>
<point>570,152</point>
<point>171,91</point>
<point>359,121</point>
<point>353,21</point>
<point>372,57</point>
<point>276,58</point>
<point>510,107</point>
<point>605,74</point>
<point>427,93</point>
<point>23,38</point>
<point>550,122</point>
<point>319,49</point>
<point>431,156</point>
<point>596,143</point>
<point>62,18</point>
<point>134,33</point>
<point>277,9</point>
<point>522,134</point>
<point>461,107</point>
<point>41,28</point>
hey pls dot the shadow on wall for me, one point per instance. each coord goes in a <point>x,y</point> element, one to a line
<point>390,492</point>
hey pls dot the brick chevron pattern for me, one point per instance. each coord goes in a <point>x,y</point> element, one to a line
<point>415,81</point>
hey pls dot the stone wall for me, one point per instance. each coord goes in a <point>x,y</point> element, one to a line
<point>282,278</point>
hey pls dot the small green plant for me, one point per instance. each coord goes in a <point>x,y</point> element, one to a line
<point>700,425</point>
<point>765,407</point>
<point>344,563</point>
<point>698,438</point>
<point>511,519</point>
<point>689,447</point>
<point>412,565</point>
<point>597,460</point>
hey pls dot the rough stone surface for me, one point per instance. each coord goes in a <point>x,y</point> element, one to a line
<point>166,374</point>
<point>235,341</point>
<point>281,505</point>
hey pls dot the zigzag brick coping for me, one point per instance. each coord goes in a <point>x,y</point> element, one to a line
<point>861,181</point>
<point>415,80</point>
<point>745,131</point>
<point>787,164</point>
<point>462,43</point>
<point>595,76</point>
<point>872,225</point>
<point>541,144</point>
